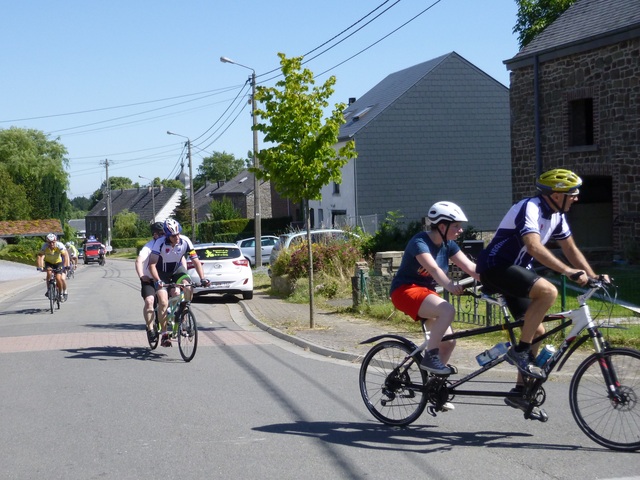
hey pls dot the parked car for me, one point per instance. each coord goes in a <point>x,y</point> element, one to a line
<point>248,247</point>
<point>227,269</point>
<point>291,239</point>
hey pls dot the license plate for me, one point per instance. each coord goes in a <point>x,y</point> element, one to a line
<point>220,284</point>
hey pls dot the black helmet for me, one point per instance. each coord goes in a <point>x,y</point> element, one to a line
<point>157,227</point>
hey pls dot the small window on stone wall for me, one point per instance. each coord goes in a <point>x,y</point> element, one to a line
<point>581,122</point>
<point>336,188</point>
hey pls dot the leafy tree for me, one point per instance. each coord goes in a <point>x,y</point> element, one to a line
<point>219,166</point>
<point>302,159</point>
<point>223,210</point>
<point>14,204</point>
<point>536,15</point>
<point>125,224</point>
<point>81,203</point>
<point>38,164</point>
<point>183,215</point>
<point>173,183</point>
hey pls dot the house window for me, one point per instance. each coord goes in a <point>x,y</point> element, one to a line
<point>581,122</point>
<point>336,188</point>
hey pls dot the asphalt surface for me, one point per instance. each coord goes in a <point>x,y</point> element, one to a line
<point>336,334</point>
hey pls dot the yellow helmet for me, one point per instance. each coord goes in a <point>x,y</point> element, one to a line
<point>559,180</point>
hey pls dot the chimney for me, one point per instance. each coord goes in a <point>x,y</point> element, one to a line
<point>352,100</point>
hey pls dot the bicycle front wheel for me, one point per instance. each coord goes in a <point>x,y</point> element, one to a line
<point>187,336</point>
<point>52,293</point>
<point>604,398</point>
<point>391,388</point>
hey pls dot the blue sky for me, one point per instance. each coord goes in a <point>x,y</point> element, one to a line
<point>110,78</point>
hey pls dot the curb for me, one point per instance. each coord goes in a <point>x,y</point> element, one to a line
<point>312,347</point>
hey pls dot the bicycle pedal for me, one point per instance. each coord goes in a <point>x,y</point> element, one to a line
<point>539,415</point>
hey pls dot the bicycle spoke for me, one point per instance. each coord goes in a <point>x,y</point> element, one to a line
<point>187,335</point>
<point>611,419</point>
<point>392,392</point>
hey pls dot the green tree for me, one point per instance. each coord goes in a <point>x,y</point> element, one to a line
<point>223,210</point>
<point>535,15</point>
<point>125,224</point>
<point>14,204</point>
<point>183,215</point>
<point>38,164</point>
<point>302,159</point>
<point>219,166</point>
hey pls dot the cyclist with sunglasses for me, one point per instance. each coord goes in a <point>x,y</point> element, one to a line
<point>53,255</point>
<point>505,265</point>
<point>166,266</point>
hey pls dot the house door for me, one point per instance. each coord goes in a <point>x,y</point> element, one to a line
<point>591,217</point>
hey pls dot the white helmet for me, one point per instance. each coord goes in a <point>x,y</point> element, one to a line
<point>446,212</point>
<point>171,227</point>
<point>51,237</point>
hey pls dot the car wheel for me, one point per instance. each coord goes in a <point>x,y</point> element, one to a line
<point>247,295</point>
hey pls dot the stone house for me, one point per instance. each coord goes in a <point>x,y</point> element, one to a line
<point>575,104</point>
<point>435,131</point>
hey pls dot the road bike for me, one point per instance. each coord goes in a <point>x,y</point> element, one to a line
<point>181,323</point>
<point>71,272</point>
<point>53,294</point>
<point>603,393</point>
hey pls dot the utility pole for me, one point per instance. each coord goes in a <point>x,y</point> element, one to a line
<point>108,195</point>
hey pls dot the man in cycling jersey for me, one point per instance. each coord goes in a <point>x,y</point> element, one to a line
<point>73,254</point>
<point>505,265</point>
<point>53,255</point>
<point>165,266</point>
<point>147,288</point>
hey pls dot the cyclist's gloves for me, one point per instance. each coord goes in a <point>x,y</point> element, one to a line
<point>205,282</point>
<point>159,284</point>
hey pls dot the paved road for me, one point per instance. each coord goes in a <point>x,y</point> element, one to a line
<point>83,398</point>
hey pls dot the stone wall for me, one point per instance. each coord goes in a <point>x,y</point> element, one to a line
<point>611,76</point>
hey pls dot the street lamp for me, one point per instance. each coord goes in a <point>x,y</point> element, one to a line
<point>193,206</point>
<point>153,196</point>
<point>256,183</point>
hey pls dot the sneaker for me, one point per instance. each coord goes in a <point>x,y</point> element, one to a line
<point>65,296</point>
<point>522,403</point>
<point>448,406</point>
<point>166,341</point>
<point>431,363</point>
<point>46,294</point>
<point>152,335</point>
<point>524,361</point>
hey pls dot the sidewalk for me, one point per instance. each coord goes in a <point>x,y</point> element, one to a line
<point>336,335</point>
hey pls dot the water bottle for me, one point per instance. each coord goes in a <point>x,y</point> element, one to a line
<point>544,355</point>
<point>493,353</point>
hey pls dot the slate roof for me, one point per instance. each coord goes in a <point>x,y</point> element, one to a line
<point>137,200</point>
<point>241,184</point>
<point>376,100</point>
<point>585,25</point>
<point>30,228</point>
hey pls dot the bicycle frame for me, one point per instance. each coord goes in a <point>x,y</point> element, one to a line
<point>580,318</point>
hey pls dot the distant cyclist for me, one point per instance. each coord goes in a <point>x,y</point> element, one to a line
<point>73,254</point>
<point>165,266</point>
<point>53,255</point>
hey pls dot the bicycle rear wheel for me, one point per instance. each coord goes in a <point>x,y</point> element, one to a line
<point>390,388</point>
<point>187,335</point>
<point>608,411</point>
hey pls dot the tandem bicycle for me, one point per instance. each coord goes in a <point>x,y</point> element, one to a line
<point>181,323</point>
<point>603,393</point>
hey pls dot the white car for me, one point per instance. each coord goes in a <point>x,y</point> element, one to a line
<point>225,267</point>
<point>248,247</point>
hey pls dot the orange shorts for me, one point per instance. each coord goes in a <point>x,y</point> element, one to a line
<point>409,298</point>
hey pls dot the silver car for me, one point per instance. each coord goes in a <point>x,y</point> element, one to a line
<point>225,267</point>
<point>248,247</point>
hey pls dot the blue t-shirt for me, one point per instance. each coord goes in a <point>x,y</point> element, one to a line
<point>411,272</point>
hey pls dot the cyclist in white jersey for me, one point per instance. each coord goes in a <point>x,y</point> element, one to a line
<point>505,264</point>
<point>165,266</point>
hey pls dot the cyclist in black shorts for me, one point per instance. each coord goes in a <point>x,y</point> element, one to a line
<point>165,266</point>
<point>505,264</point>
<point>147,288</point>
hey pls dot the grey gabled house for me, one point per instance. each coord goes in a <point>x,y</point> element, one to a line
<point>435,131</point>
<point>575,103</point>
<point>141,201</point>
